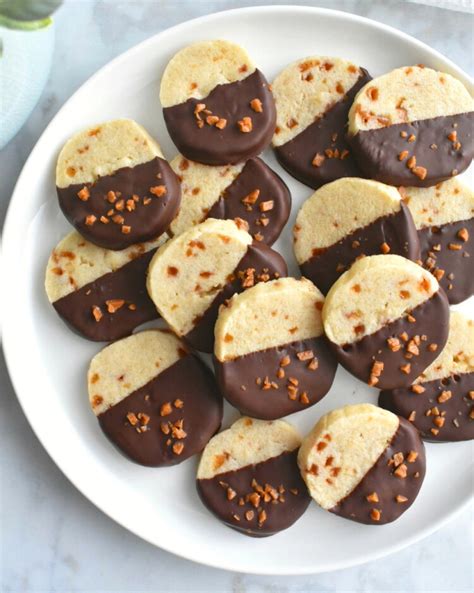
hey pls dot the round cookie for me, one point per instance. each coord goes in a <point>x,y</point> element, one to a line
<point>363,463</point>
<point>217,106</point>
<point>313,96</point>
<point>194,273</point>
<point>100,293</point>
<point>444,217</point>
<point>386,320</point>
<point>440,403</point>
<point>114,185</point>
<point>249,191</point>
<point>154,400</point>
<point>249,479</point>
<point>412,127</point>
<point>347,219</point>
<point>270,356</point>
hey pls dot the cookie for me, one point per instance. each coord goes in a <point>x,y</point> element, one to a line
<point>270,356</point>
<point>249,191</point>
<point>249,479</point>
<point>217,105</point>
<point>363,463</point>
<point>154,400</point>
<point>194,273</point>
<point>412,127</point>
<point>440,403</point>
<point>99,293</point>
<point>386,319</point>
<point>347,219</point>
<point>114,185</point>
<point>444,217</point>
<point>312,98</point>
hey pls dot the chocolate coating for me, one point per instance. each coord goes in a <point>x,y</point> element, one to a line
<point>212,146</point>
<point>145,221</point>
<point>260,258</point>
<point>128,283</point>
<point>377,151</point>
<point>188,380</point>
<point>458,264</point>
<point>396,230</point>
<point>237,379</point>
<point>296,155</point>
<point>277,471</point>
<point>382,480</point>
<point>256,175</point>
<point>432,321</point>
<point>457,426</point>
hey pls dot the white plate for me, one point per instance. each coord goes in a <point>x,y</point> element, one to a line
<point>48,363</point>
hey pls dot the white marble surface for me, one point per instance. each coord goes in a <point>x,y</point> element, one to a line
<point>52,539</point>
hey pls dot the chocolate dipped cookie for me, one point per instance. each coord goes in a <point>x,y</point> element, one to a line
<point>346,220</point>
<point>386,320</point>
<point>114,185</point>
<point>154,400</point>
<point>249,479</point>
<point>363,463</point>
<point>217,105</point>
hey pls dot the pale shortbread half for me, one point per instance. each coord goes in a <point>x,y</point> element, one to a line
<point>407,94</point>
<point>375,291</point>
<point>246,442</point>
<point>75,262</point>
<point>123,367</point>
<point>306,89</point>
<point>267,315</point>
<point>187,272</point>
<point>355,437</point>
<point>443,203</point>
<point>102,149</point>
<point>198,68</point>
<point>457,357</point>
<point>201,188</point>
<point>338,209</point>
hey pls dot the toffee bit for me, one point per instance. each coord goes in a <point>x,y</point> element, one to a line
<point>318,160</point>
<point>256,105</point>
<point>412,456</point>
<point>231,494</point>
<point>463,234</point>
<point>126,229</point>
<point>444,397</point>
<point>454,246</point>
<point>266,206</point>
<point>306,355</point>
<point>166,409</point>
<point>400,498</point>
<point>178,448</point>
<point>89,220</point>
<point>394,344</point>
<point>401,471</point>
<point>97,313</point>
<point>412,416</point>
<point>158,190</point>
<point>375,514</point>
<point>385,248</point>
<point>133,420</point>
<point>285,361</point>
<point>249,515</point>
<point>313,364</point>
<point>84,194</point>
<point>373,497</point>
<point>221,124</point>
<point>114,305</point>
<point>245,125</point>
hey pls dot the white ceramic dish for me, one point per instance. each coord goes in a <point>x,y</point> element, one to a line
<point>48,363</point>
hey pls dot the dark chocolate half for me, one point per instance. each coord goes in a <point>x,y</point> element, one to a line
<point>259,264</point>
<point>184,410</point>
<point>385,479</point>
<point>442,412</point>
<point>149,218</point>
<point>266,216</point>
<point>254,384</point>
<point>266,513</point>
<point>212,146</point>
<point>377,151</point>
<point>429,325</point>
<point>442,250</point>
<point>397,231</point>
<point>326,136</point>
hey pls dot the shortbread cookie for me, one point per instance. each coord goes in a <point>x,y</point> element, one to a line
<point>313,97</point>
<point>412,127</point>
<point>444,217</point>
<point>386,319</point>
<point>249,479</point>
<point>250,191</point>
<point>440,403</point>
<point>114,185</point>
<point>195,272</point>
<point>217,106</point>
<point>270,356</point>
<point>100,293</point>
<point>347,219</point>
<point>155,401</point>
<point>363,463</point>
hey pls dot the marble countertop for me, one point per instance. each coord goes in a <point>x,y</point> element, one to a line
<point>52,538</point>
